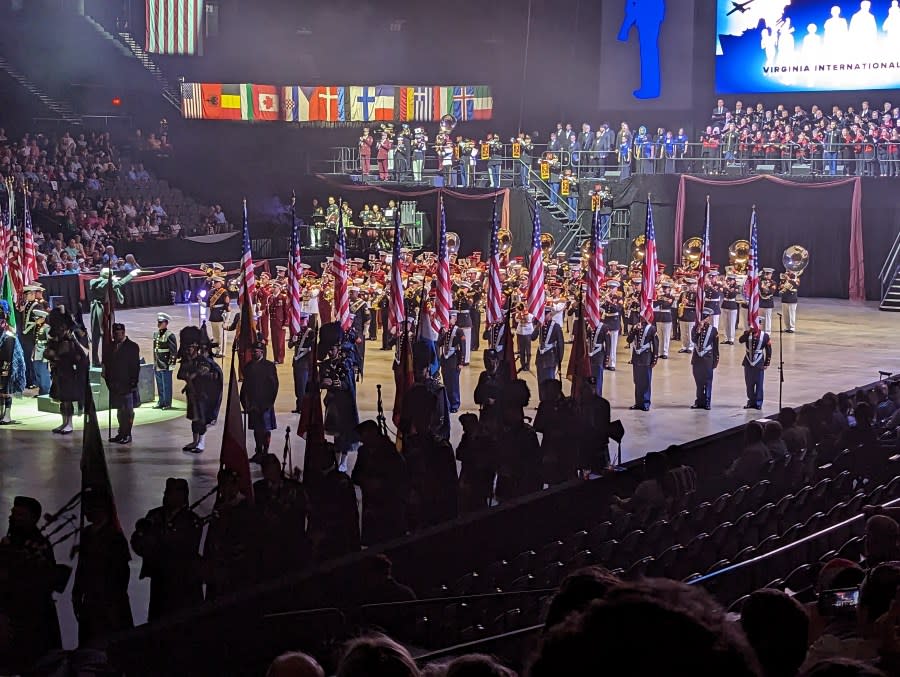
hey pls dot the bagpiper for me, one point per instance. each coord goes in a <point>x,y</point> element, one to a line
<point>203,384</point>
<point>12,365</point>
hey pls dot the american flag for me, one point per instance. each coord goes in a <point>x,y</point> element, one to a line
<point>247,287</point>
<point>396,309</point>
<point>595,273</point>
<point>753,275</point>
<point>5,229</point>
<point>11,245</point>
<point>295,270</point>
<point>443,298</point>
<point>174,26</point>
<point>339,270</point>
<point>29,259</point>
<point>704,267</point>
<point>536,292</point>
<point>191,101</point>
<point>495,287</point>
<point>648,273</point>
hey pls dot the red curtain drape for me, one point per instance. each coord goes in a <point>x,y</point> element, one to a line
<point>857,285</point>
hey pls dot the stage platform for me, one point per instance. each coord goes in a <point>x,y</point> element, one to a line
<point>838,345</point>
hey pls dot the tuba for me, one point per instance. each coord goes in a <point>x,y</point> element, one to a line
<point>739,256</point>
<point>448,123</point>
<point>638,250</point>
<point>547,243</point>
<point>453,242</point>
<point>691,251</point>
<point>795,259</point>
<point>504,238</point>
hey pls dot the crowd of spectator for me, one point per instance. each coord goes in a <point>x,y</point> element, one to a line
<point>84,202</point>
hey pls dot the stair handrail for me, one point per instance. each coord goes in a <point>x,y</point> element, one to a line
<point>889,269</point>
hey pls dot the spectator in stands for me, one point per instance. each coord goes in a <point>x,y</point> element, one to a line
<point>577,591</point>
<point>130,263</point>
<point>476,665</point>
<point>380,584</point>
<point>753,456</point>
<point>679,481</point>
<point>837,574</point>
<point>862,431</point>
<point>795,437</point>
<point>884,405</point>
<point>655,627</point>
<point>773,441</point>
<point>110,259</point>
<point>376,656</point>
<point>777,627</point>
<point>648,499</point>
<point>865,641</point>
<point>882,540</point>
<point>295,664</point>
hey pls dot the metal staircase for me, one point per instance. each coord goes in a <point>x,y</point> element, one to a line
<point>60,108</point>
<point>890,279</point>
<point>129,47</point>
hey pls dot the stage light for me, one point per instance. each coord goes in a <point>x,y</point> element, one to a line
<point>187,295</point>
<point>201,294</point>
<point>116,101</point>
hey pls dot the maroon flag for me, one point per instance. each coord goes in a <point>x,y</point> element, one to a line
<point>233,455</point>
<point>649,269</point>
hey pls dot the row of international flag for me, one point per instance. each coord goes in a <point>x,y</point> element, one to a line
<point>332,104</point>
<point>18,254</point>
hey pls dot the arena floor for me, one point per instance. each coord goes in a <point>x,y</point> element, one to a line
<point>838,345</point>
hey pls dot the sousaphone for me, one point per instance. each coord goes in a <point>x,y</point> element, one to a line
<point>739,256</point>
<point>795,259</point>
<point>691,251</point>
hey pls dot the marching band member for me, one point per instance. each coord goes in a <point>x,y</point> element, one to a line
<point>452,342</point>
<point>261,301</point>
<point>755,362</point>
<point>767,290</point>
<point>662,315</point>
<point>551,349</point>
<point>384,154</point>
<point>611,310</point>
<point>712,297</point>
<point>730,307</point>
<point>704,359</point>
<point>419,146</point>
<point>365,151</point>
<point>279,318</point>
<point>463,307</point>
<point>359,310</point>
<point>789,287</point>
<point>644,344</point>
<point>687,314</point>
<point>524,325</point>
<point>217,304</point>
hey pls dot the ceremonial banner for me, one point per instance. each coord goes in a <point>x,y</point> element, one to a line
<point>191,100</point>
<point>423,103</point>
<point>484,104</point>
<point>221,102</point>
<point>174,26</point>
<point>443,102</point>
<point>362,104</point>
<point>259,102</point>
<point>330,104</point>
<point>384,102</point>
<point>406,106</point>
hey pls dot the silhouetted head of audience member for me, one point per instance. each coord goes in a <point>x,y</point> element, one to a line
<point>655,465</point>
<point>882,542</point>
<point>787,417</point>
<point>878,592</point>
<point>476,665</point>
<point>777,627</point>
<point>376,656</point>
<point>842,667</point>
<point>577,591</point>
<point>295,664</point>
<point>863,415</point>
<point>772,432</point>
<point>840,574</point>
<point>646,629</point>
<point>753,433</point>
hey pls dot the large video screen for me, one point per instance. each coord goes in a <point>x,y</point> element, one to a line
<point>807,45</point>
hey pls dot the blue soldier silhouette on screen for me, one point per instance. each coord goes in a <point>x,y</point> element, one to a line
<point>647,16</point>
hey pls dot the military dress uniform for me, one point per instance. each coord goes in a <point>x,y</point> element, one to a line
<point>27,332</point>
<point>451,353</point>
<point>704,360</point>
<point>360,311</point>
<point>789,289</point>
<point>644,344</point>
<point>758,357</point>
<point>302,363</point>
<point>712,299</point>
<point>766,298</point>
<point>611,311</point>
<point>687,317</point>
<point>258,393</point>
<point>730,309</point>
<point>598,352</point>
<point>279,316</point>
<point>550,350</point>
<point>464,321</point>
<point>217,304</point>
<point>41,366</point>
<point>662,316</point>
<point>12,369</point>
<point>121,371</point>
<point>165,353</point>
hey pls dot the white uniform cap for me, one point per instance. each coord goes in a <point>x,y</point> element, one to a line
<point>162,317</point>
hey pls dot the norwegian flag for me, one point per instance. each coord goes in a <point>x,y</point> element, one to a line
<point>396,306</point>
<point>339,270</point>
<point>704,267</point>
<point>753,275</point>
<point>648,273</point>
<point>295,270</point>
<point>595,274</point>
<point>536,292</point>
<point>495,287</point>
<point>248,276</point>
<point>29,259</point>
<point>443,298</point>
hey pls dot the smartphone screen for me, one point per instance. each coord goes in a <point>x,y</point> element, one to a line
<point>834,602</point>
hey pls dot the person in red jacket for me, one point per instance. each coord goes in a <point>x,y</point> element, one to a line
<point>365,151</point>
<point>384,146</point>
